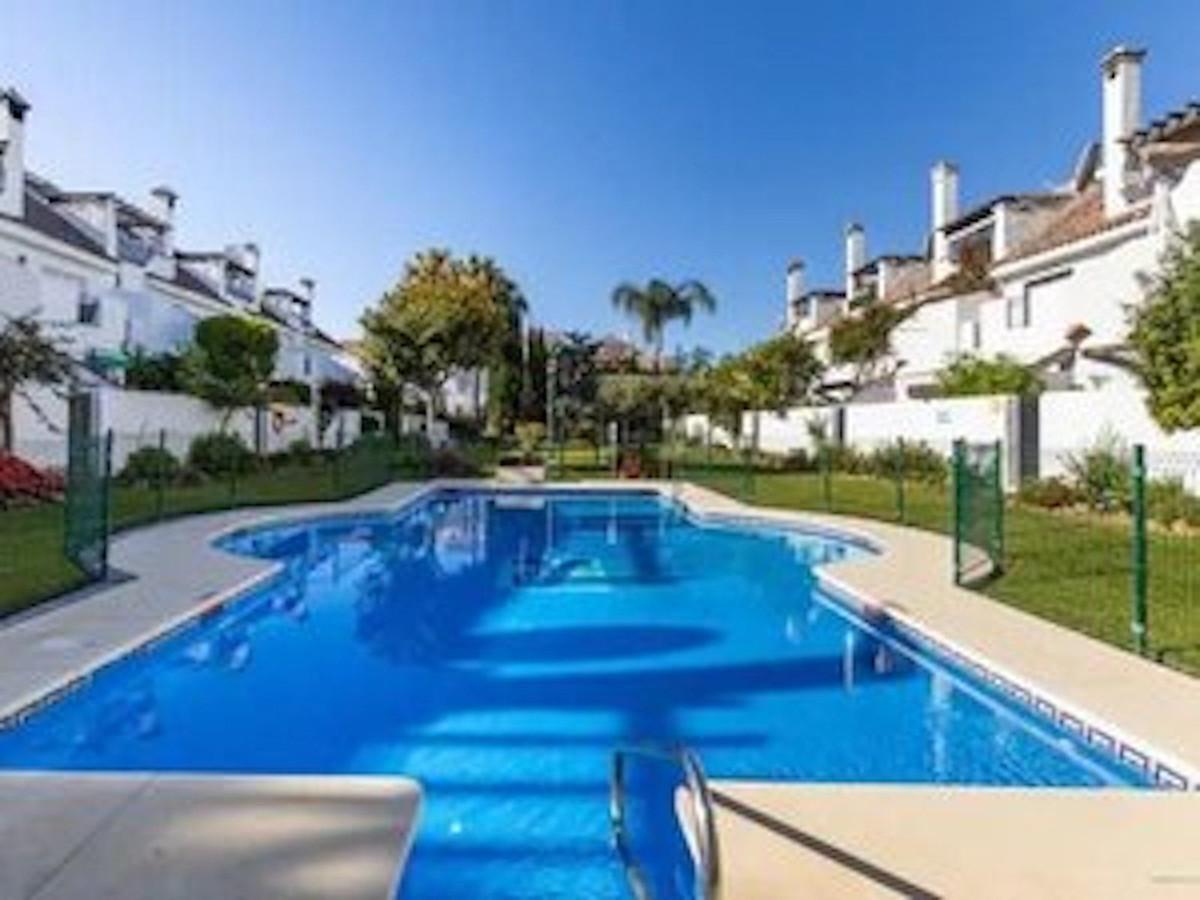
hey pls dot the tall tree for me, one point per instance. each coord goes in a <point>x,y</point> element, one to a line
<point>230,363</point>
<point>659,303</point>
<point>533,376</point>
<point>27,357</point>
<point>504,370</point>
<point>1166,337</point>
<point>441,316</point>
<point>863,341</point>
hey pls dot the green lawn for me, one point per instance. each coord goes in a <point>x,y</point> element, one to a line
<point>33,567</point>
<point>1071,568</point>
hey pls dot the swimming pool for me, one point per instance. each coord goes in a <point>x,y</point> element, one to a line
<point>497,646</point>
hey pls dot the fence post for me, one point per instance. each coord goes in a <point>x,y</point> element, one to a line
<point>900,459</point>
<point>106,500</point>
<point>827,476</point>
<point>998,517</point>
<point>160,499</point>
<point>956,511</point>
<point>1140,569</point>
<point>234,460</point>
<point>337,466</point>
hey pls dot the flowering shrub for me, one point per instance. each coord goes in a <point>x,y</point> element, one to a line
<point>20,481</point>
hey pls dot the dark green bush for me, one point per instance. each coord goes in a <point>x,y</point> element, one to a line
<point>149,465</point>
<point>220,454</point>
<point>915,461</point>
<point>1168,502</point>
<point>1050,493</point>
<point>1102,474</point>
<point>301,452</point>
<point>291,392</point>
<point>154,372</point>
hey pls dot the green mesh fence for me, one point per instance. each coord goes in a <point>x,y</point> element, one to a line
<point>87,497</point>
<point>978,512</point>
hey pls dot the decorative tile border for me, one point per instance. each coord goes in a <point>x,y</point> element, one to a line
<point>1042,705</point>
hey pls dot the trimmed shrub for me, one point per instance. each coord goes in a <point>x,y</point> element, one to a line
<point>149,465</point>
<point>1101,474</point>
<point>291,392</point>
<point>220,454</point>
<point>916,461</point>
<point>1168,502</point>
<point>301,451</point>
<point>1049,493</point>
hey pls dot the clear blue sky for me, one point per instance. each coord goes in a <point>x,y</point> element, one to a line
<point>580,143</point>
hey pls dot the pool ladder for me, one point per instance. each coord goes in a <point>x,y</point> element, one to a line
<point>698,825</point>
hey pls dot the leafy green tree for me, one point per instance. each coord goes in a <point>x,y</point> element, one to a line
<point>1166,337</point>
<point>969,376</point>
<point>863,341</point>
<point>27,357</point>
<point>782,372</point>
<point>576,383</point>
<point>506,367</point>
<point>441,316</point>
<point>230,363</point>
<point>533,376</point>
<point>659,303</point>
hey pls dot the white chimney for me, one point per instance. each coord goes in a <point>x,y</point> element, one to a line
<point>943,181</point>
<point>162,207</point>
<point>1003,229</point>
<point>856,255</point>
<point>12,153</point>
<point>883,278</point>
<point>308,290</point>
<point>1121,70</point>
<point>795,292</point>
<point>943,178</point>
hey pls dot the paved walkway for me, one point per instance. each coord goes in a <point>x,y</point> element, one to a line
<point>852,841</point>
<point>218,837</point>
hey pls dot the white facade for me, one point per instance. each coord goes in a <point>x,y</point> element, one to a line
<point>105,275</point>
<point>1047,278</point>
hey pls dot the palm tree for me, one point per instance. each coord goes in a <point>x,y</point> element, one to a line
<point>659,303</point>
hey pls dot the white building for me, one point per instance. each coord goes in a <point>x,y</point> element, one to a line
<point>1046,277</point>
<point>105,273</point>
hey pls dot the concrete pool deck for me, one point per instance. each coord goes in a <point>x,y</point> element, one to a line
<point>161,837</point>
<point>171,572</point>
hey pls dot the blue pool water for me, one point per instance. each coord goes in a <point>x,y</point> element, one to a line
<point>496,647</point>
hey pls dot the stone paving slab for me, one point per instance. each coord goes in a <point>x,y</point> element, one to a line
<point>855,841</point>
<point>167,837</point>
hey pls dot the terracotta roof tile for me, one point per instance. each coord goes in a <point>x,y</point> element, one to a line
<point>1081,217</point>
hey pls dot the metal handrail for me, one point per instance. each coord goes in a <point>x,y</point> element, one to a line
<point>700,829</point>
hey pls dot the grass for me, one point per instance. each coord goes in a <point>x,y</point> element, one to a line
<point>1069,567</point>
<point>33,567</point>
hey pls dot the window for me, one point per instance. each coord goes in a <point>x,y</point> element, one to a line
<point>1017,310</point>
<point>307,365</point>
<point>976,335</point>
<point>89,311</point>
<point>1041,288</point>
<point>1,168</point>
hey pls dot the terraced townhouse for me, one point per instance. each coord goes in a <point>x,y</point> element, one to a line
<point>1046,277</point>
<point>105,273</point>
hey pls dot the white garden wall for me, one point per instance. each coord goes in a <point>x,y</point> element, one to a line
<point>938,423</point>
<point>137,417</point>
<point>1071,421</point>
